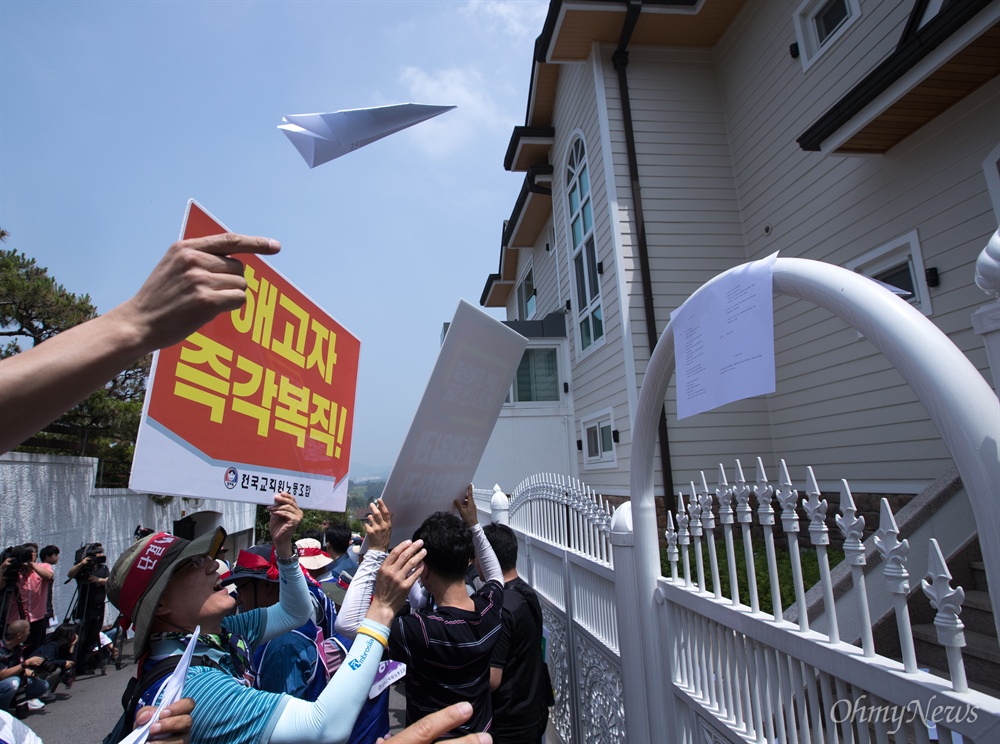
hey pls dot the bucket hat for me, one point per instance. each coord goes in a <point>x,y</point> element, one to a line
<point>253,563</point>
<point>141,575</point>
<point>311,554</point>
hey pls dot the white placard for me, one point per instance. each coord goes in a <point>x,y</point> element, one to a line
<point>454,420</point>
<point>724,339</point>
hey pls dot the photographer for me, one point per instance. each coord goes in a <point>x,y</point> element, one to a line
<point>29,598</point>
<point>91,574</point>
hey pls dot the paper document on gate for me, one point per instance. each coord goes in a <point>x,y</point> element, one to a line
<point>259,400</point>
<point>724,339</point>
<point>454,420</point>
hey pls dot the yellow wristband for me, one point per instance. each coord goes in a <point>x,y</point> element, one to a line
<point>374,634</point>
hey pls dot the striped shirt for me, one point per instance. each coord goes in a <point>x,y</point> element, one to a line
<point>227,710</point>
<point>447,654</point>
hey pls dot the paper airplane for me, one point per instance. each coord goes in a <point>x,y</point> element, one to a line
<point>320,138</point>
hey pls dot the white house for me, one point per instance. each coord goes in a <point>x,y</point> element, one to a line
<point>667,141</point>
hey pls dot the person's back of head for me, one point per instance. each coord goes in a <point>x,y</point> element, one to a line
<point>448,542</point>
<point>338,538</point>
<point>48,551</point>
<point>17,631</point>
<point>504,543</point>
<point>317,535</point>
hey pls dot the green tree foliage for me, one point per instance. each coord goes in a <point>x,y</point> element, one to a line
<point>34,307</point>
<point>359,495</point>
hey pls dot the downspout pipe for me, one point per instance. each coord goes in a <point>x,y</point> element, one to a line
<point>649,706</point>
<point>620,59</point>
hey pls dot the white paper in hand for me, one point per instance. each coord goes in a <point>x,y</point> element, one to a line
<point>171,692</point>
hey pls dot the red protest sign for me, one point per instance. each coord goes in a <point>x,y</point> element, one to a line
<point>271,385</point>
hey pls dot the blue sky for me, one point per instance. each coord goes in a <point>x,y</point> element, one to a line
<point>114,114</point>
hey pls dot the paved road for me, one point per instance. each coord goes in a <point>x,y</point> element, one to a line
<point>86,712</point>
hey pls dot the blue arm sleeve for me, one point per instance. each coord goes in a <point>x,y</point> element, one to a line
<point>331,718</point>
<point>294,605</point>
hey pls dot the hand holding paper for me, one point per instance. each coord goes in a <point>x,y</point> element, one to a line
<point>320,138</point>
<point>171,692</point>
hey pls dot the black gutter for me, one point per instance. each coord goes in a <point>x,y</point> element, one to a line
<point>620,59</point>
<point>909,52</point>
<point>521,133</point>
<point>499,275</point>
<point>528,187</point>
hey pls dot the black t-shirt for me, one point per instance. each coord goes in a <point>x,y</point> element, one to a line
<point>520,707</point>
<point>9,657</point>
<point>447,654</point>
<point>91,596</point>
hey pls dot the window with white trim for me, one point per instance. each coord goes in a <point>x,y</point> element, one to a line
<point>526,297</point>
<point>899,264</point>
<point>586,280</point>
<point>599,441</point>
<point>537,377</point>
<point>819,23</point>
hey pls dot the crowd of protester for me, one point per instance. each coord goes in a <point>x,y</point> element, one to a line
<point>277,662</point>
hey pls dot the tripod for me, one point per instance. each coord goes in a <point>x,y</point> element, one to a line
<point>10,596</point>
<point>88,624</point>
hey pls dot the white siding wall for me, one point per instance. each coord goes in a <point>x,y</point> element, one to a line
<point>693,229</point>
<point>839,406</point>
<point>598,374</point>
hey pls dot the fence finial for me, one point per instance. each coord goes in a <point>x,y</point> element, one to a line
<point>788,498</point>
<point>671,537</point>
<point>815,508</point>
<point>694,512</point>
<point>683,536</point>
<point>893,550</point>
<point>948,603</point>
<point>744,514</point>
<point>705,502</point>
<point>897,579</point>
<point>763,492</point>
<point>724,494</point>
<point>852,526</point>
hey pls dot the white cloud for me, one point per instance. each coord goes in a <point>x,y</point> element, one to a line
<point>476,114</point>
<point>517,18</point>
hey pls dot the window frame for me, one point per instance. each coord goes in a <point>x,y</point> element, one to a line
<point>811,47</point>
<point>527,305</point>
<point>511,400</point>
<point>605,458</point>
<point>584,277</point>
<point>904,249</point>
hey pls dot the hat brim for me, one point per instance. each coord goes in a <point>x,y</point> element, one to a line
<point>142,618</point>
<point>313,562</point>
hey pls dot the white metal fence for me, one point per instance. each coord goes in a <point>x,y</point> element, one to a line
<point>733,670</point>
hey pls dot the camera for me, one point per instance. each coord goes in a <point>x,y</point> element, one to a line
<point>93,551</point>
<point>19,556</point>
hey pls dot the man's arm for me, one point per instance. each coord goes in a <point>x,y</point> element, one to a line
<point>195,281</point>
<point>44,570</point>
<point>294,604</point>
<point>489,566</point>
<point>74,570</point>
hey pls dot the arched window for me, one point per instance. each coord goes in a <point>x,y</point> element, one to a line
<point>589,314</point>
